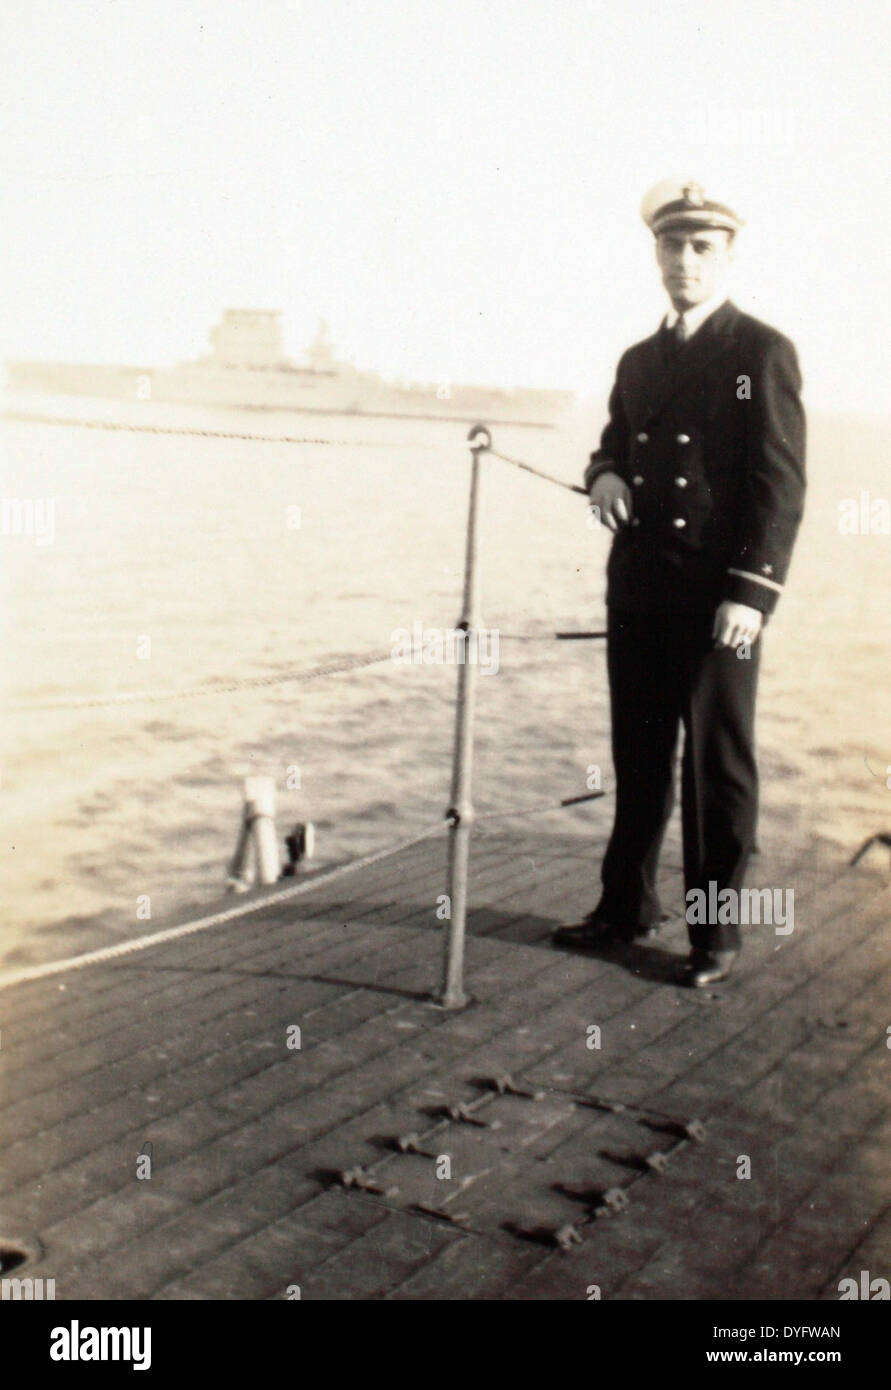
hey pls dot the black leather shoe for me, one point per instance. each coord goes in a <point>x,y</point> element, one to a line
<point>594,930</point>
<point>709,967</point>
<point>591,931</point>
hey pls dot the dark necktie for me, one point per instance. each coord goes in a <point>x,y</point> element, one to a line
<point>673,342</point>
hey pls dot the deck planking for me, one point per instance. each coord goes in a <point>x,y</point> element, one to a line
<point>183,1046</point>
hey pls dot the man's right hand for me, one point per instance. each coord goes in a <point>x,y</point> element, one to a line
<point>611,495</point>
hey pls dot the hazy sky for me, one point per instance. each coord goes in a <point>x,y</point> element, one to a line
<point>454,184</point>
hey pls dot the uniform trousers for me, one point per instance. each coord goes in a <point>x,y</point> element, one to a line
<point>664,674</point>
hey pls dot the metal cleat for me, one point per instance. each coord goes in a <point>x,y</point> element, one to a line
<point>465,1116</point>
<point>454,1218</point>
<point>657,1162</point>
<point>614,1200</point>
<point>695,1130</point>
<point>505,1085</point>
<point>613,1107</point>
<point>567,1236</point>
<point>408,1143</point>
<point>358,1178</point>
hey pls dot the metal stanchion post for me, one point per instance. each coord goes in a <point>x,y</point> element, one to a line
<point>460,813</point>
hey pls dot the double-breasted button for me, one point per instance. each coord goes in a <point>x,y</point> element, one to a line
<point>680,482</point>
<point>643,437</point>
<point>683,439</point>
<point>635,521</point>
<point>679,523</point>
<point>637,480</point>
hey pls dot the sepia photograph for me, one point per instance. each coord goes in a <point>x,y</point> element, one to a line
<point>445,590</point>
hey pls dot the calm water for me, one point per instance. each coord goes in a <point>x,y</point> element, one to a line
<point>188,542</point>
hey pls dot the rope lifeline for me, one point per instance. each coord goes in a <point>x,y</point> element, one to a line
<point>25,417</point>
<point>127,697</point>
<point>331,668</point>
<point>214,919</point>
<point>115,425</point>
<point>539,473</point>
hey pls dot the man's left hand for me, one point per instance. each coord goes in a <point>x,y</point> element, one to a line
<point>736,624</point>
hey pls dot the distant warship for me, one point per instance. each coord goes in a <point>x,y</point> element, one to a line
<point>247,367</point>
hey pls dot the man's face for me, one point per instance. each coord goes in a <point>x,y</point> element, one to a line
<point>694,263</point>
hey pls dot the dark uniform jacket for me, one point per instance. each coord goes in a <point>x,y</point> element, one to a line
<point>709,436</point>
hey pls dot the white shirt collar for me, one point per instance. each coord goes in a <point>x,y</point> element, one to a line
<point>694,318</point>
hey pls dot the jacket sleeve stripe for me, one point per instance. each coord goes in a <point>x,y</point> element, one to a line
<point>757,579</point>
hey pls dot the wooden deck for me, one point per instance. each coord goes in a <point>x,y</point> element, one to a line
<point>184,1047</point>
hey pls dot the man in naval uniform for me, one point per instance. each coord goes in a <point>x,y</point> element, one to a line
<point>700,475</point>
